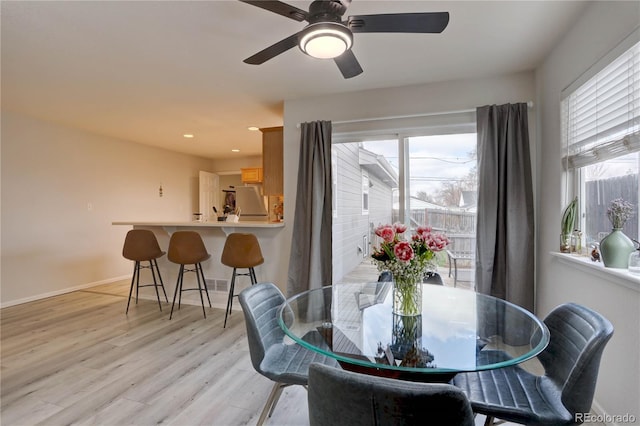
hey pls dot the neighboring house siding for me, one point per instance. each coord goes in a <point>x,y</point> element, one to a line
<point>381,207</point>
<point>351,226</point>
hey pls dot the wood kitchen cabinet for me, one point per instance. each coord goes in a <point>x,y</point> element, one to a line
<point>272,153</point>
<point>251,175</point>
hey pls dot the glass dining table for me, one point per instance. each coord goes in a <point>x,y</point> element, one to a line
<point>457,331</point>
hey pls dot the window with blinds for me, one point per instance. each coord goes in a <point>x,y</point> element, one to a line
<point>601,132</point>
<point>602,117</point>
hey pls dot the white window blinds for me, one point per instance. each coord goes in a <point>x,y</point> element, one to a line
<point>601,118</point>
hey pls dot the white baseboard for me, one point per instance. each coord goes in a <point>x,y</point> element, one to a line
<point>63,291</point>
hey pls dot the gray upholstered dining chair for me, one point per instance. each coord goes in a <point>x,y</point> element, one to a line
<point>571,362</point>
<point>433,278</point>
<point>339,397</point>
<point>429,278</point>
<point>285,364</point>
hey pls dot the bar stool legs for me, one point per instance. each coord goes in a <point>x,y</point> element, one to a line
<point>153,265</point>
<point>252,275</point>
<point>202,287</point>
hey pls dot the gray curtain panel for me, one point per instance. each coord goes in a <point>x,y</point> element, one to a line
<point>505,231</point>
<point>310,262</point>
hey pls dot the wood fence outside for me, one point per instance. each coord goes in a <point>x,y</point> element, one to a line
<point>598,197</point>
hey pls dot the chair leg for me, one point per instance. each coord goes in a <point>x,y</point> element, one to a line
<point>270,405</point>
<point>155,262</point>
<point>230,298</point>
<point>489,421</point>
<point>200,289</point>
<point>138,280</point>
<point>133,278</point>
<point>178,290</point>
<point>155,283</point>
<point>206,290</point>
<point>252,275</point>
<point>455,272</point>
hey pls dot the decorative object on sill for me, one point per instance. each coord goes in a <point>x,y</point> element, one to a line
<point>278,211</point>
<point>616,247</point>
<point>634,260</point>
<point>407,261</point>
<point>567,224</point>
<point>595,252</point>
<point>576,242</point>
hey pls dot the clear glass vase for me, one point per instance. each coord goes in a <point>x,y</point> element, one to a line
<point>407,296</point>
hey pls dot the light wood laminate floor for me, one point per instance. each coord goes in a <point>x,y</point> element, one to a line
<point>78,359</point>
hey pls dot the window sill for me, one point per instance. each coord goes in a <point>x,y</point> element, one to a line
<point>616,275</point>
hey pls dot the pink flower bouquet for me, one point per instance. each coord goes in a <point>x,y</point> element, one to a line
<point>408,261</point>
<point>407,258</point>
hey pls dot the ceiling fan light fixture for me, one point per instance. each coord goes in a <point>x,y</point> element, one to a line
<point>326,40</point>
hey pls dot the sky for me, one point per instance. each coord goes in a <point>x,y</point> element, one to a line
<point>433,159</point>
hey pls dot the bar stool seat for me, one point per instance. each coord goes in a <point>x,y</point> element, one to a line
<point>141,245</point>
<point>241,251</point>
<point>187,248</point>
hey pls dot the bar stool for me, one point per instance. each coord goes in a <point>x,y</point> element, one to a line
<point>141,245</point>
<point>240,251</point>
<point>187,248</point>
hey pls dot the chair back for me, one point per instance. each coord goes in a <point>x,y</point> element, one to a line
<point>385,276</point>
<point>432,278</point>
<point>342,397</point>
<point>187,248</point>
<point>578,336</point>
<point>260,305</point>
<point>241,251</point>
<point>141,244</point>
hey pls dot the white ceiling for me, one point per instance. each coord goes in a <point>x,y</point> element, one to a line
<point>150,71</point>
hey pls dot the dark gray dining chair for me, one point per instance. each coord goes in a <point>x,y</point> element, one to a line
<point>433,278</point>
<point>285,364</point>
<point>339,397</point>
<point>571,362</point>
<point>429,278</point>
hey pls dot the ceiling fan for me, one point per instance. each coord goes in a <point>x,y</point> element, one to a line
<point>327,36</point>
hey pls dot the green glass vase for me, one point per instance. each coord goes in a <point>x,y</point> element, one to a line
<point>615,249</point>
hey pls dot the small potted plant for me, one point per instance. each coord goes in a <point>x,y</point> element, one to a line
<point>616,247</point>
<point>567,225</point>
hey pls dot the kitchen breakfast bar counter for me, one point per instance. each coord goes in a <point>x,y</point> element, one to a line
<point>217,275</point>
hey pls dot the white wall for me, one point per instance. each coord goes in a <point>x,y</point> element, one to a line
<point>603,25</point>
<point>235,164</point>
<point>62,188</point>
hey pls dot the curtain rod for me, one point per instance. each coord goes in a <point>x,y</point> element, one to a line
<point>396,117</point>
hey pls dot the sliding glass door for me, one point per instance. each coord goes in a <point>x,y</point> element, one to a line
<point>416,180</point>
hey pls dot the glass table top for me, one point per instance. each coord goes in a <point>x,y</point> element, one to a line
<point>458,330</point>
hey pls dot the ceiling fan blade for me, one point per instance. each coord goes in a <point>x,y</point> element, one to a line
<point>429,22</point>
<point>348,64</point>
<point>280,8</point>
<point>273,50</point>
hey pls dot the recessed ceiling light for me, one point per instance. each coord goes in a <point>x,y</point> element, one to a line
<point>188,135</point>
<point>254,128</point>
<point>235,150</point>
